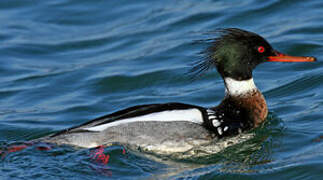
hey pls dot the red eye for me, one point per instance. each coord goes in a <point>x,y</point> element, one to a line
<point>261,49</point>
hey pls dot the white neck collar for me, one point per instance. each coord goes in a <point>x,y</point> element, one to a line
<point>238,88</point>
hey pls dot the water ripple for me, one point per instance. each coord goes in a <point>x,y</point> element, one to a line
<point>66,62</point>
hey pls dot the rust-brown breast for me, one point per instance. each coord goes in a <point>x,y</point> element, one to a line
<point>255,103</point>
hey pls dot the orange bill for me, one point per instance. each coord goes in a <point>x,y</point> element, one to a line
<point>280,57</point>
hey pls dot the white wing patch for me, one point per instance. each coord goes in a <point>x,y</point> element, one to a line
<point>213,117</point>
<point>220,130</point>
<point>216,121</point>
<point>191,115</point>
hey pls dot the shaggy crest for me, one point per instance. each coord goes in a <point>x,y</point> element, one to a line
<point>211,57</point>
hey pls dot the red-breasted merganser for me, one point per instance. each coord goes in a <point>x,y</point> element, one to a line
<point>181,128</point>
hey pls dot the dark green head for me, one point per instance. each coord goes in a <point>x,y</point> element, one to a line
<point>235,53</point>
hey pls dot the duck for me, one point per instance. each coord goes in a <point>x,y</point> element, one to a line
<point>179,128</point>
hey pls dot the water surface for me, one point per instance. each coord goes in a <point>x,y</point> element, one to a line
<point>66,62</point>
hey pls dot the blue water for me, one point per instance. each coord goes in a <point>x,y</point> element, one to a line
<point>66,62</point>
